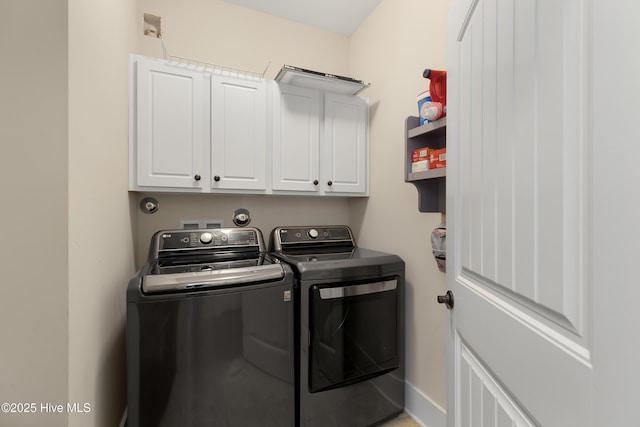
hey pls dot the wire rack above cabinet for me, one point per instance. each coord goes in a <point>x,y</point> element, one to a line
<point>212,68</point>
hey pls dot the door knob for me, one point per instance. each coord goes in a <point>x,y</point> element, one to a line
<point>446,299</point>
<point>216,178</point>
<point>197,177</point>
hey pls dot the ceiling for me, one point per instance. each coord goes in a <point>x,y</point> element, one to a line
<point>338,16</point>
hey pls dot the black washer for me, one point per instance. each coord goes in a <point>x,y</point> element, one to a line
<point>210,333</point>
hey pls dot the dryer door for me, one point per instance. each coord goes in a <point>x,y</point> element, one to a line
<point>353,332</point>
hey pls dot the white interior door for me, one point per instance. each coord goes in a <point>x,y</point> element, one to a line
<point>614,205</point>
<point>517,186</point>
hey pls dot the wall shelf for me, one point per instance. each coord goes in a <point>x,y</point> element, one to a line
<point>431,184</point>
<point>427,174</point>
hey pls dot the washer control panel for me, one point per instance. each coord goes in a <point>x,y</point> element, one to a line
<point>172,240</point>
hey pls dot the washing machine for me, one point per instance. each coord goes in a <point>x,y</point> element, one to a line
<point>349,327</point>
<point>210,321</point>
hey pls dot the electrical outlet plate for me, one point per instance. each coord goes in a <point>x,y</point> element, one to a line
<point>152,27</point>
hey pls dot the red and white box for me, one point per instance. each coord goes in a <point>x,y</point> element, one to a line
<point>438,159</point>
<point>420,159</point>
<point>421,154</point>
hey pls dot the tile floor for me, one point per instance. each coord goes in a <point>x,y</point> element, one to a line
<point>402,420</point>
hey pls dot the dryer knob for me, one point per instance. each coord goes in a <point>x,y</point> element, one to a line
<point>313,233</point>
<point>206,238</point>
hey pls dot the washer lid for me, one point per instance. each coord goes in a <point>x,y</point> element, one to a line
<point>316,80</point>
<point>206,279</point>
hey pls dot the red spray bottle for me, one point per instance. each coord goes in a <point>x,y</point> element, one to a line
<point>438,90</point>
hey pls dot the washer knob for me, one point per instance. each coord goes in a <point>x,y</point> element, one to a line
<point>313,233</point>
<point>206,238</point>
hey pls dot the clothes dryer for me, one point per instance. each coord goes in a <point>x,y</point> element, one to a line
<point>349,327</point>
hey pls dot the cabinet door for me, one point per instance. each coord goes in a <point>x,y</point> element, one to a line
<point>345,145</point>
<point>296,135</point>
<point>170,128</point>
<point>238,133</point>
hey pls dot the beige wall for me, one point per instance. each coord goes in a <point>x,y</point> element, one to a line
<point>266,213</point>
<point>101,226</point>
<point>220,33</point>
<point>33,173</point>
<point>63,134</point>
<point>66,211</point>
<point>391,49</point>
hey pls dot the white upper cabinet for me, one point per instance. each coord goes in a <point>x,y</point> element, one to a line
<point>345,150</point>
<point>296,137</point>
<point>238,134</point>
<point>320,142</point>
<point>195,131</point>
<point>170,111</point>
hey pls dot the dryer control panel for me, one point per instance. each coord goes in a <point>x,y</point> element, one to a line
<point>285,236</point>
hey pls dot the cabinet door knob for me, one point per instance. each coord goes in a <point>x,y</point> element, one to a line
<point>216,178</point>
<point>330,183</point>
<point>197,177</point>
<point>315,182</point>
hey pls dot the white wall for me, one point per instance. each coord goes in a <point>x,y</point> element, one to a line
<point>392,48</point>
<point>33,177</point>
<point>101,226</point>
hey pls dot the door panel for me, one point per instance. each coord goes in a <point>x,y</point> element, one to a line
<point>517,162</point>
<point>296,138</point>
<point>239,133</point>
<point>345,144</point>
<point>170,125</point>
<point>490,405</point>
<point>202,361</point>
<point>353,333</point>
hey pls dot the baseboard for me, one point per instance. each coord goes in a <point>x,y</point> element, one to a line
<point>422,409</point>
